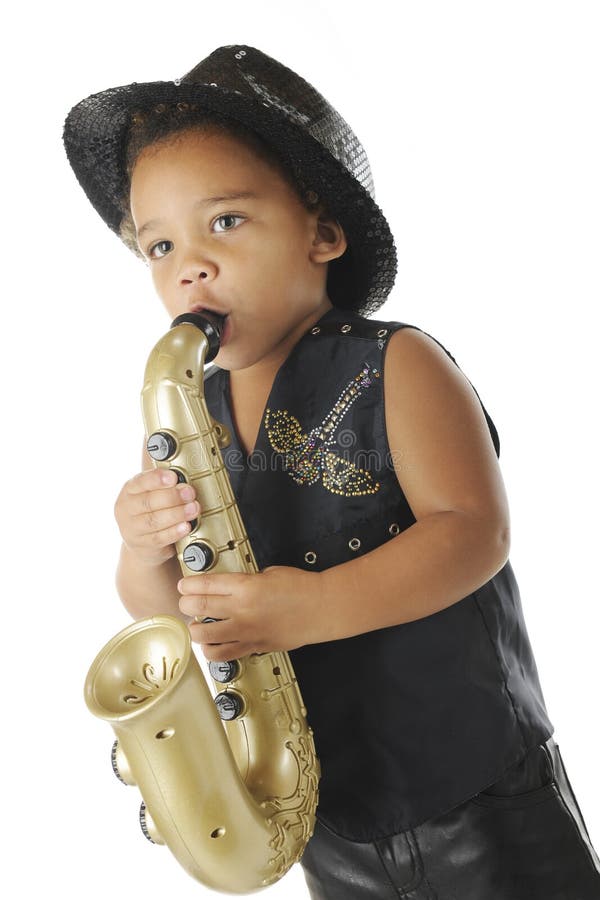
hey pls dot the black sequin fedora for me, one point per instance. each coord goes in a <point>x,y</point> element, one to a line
<point>313,140</point>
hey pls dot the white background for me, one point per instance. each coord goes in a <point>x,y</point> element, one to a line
<point>480,120</point>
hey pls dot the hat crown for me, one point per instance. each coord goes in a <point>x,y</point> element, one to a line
<point>248,71</point>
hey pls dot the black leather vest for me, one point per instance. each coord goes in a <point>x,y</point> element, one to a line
<point>411,720</point>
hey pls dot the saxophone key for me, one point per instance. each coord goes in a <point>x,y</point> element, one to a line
<point>230,705</point>
<point>119,764</point>
<point>148,826</point>
<point>181,479</point>
<point>161,445</point>
<point>199,556</point>
<point>224,672</point>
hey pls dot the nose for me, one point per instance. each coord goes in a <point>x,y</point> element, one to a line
<point>193,272</point>
<point>195,267</point>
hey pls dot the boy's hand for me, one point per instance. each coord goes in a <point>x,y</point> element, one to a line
<point>153,511</point>
<point>276,609</point>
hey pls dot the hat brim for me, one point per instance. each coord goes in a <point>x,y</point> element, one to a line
<point>96,134</point>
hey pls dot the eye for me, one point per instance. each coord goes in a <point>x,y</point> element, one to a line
<point>161,247</point>
<point>226,216</point>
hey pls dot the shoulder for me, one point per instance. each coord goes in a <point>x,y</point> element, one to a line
<point>418,366</point>
<point>418,369</point>
<point>412,345</point>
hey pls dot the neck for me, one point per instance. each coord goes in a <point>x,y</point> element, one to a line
<point>264,371</point>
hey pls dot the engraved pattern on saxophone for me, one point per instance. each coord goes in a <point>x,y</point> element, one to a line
<point>235,800</point>
<point>151,683</point>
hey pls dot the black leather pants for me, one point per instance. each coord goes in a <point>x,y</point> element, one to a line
<point>521,839</point>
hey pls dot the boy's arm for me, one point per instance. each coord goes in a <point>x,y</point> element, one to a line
<point>148,590</point>
<point>446,463</point>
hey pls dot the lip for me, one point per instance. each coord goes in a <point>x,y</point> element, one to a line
<point>201,307</point>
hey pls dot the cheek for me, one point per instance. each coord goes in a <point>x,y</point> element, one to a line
<point>161,282</point>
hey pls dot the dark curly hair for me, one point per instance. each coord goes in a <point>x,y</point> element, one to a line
<point>166,120</point>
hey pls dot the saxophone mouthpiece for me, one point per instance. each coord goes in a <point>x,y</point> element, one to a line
<point>212,324</point>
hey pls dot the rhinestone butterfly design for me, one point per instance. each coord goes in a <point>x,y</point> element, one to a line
<point>309,457</point>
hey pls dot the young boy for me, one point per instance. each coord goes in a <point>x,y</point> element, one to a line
<point>383,541</point>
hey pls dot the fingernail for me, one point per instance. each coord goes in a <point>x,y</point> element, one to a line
<point>167,476</point>
<point>183,528</point>
<point>186,491</point>
<point>191,509</point>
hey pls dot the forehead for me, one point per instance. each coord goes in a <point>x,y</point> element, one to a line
<point>206,159</point>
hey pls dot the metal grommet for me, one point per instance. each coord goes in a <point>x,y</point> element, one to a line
<point>394,528</point>
<point>310,557</point>
<point>354,543</point>
<point>345,328</point>
<point>315,330</point>
<point>382,332</point>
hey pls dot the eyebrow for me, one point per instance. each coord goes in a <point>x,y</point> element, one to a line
<point>207,201</point>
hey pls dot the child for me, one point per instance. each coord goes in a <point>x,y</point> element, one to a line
<point>366,472</point>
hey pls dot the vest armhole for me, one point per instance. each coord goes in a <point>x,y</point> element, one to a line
<point>492,428</point>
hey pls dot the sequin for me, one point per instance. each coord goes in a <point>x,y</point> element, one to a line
<point>309,458</point>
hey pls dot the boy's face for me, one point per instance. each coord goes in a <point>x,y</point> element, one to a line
<point>262,260</point>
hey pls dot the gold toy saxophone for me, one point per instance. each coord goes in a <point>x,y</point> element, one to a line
<point>229,784</point>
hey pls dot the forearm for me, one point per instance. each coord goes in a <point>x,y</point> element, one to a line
<point>436,562</point>
<point>147,590</point>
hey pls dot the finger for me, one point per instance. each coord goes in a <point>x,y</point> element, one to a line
<point>159,521</point>
<point>223,632</point>
<point>206,605</point>
<point>222,584</point>
<point>139,502</point>
<point>151,480</point>
<point>225,652</point>
<point>156,540</point>
<point>155,530</point>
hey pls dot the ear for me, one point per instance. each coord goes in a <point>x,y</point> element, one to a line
<point>329,240</point>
